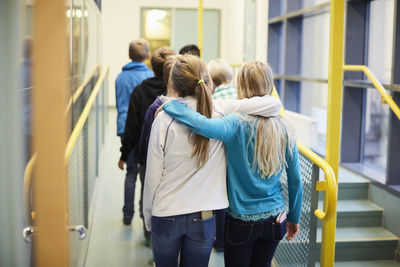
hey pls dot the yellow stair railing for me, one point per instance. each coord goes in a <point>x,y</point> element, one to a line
<point>385,97</point>
<point>329,186</point>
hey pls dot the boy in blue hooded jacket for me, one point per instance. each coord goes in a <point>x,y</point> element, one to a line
<point>132,75</point>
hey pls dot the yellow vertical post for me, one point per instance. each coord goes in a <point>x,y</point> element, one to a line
<point>51,244</point>
<point>200,27</point>
<point>335,85</point>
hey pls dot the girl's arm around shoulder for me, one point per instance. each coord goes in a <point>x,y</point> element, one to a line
<point>295,185</point>
<point>266,106</point>
<point>220,128</point>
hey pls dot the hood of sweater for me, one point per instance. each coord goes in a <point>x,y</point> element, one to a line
<point>134,65</point>
<point>264,106</point>
<point>153,87</point>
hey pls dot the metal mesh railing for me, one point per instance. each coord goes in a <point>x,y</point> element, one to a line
<point>82,172</point>
<point>301,250</point>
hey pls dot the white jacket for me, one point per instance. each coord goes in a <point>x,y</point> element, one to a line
<point>173,183</point>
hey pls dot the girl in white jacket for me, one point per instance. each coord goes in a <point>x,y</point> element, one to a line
<point>186,173</point>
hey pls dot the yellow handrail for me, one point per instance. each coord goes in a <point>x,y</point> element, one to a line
<point>84,115</point>
<point>329,185</point>
<point>70,145</point>
<point>27,188</point>
<point>387,99</point>
<point>79,90</point>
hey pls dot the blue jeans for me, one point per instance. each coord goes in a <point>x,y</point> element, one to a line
<point>130,182</point>
<point>220,226</point>
<point>187,234</point>
<point>251,243</point>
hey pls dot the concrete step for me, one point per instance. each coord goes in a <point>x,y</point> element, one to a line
<point>382,263</point>
<point>362,244</point>
<point>352,187</point>
<point>357,213</point>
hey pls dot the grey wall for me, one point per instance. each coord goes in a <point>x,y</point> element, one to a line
<point>391,204</point>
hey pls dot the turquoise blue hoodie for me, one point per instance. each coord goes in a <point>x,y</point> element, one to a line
<point>248,193</point>
<point>131,76</point>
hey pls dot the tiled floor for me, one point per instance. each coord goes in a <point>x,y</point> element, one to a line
<point>111,243</point>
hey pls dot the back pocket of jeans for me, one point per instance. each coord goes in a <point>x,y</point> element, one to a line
<point>205,229</point>
<point>162,226</point>
<point>238,233</point>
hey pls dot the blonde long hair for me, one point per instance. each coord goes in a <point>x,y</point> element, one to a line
<point>272,134</point>
<point>189,77</point>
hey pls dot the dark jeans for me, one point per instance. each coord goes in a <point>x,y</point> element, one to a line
<point>250,243</point>
<point>220,226</point>
<point>187,234</point>
<point>130,183</point>
<point>142,174</point>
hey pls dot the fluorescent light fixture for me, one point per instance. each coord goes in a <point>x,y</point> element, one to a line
<point>78,13</point>
<point>156,15</point>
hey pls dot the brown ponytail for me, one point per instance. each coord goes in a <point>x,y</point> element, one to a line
<point>189,77</point>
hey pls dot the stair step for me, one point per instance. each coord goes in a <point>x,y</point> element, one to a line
<point>383,263</point>
<point>362,243</point>
<point>357,213</point>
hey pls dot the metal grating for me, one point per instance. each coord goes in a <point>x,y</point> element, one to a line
<point>76,196</point>
<point>82,171</point>
<point>300,251</point>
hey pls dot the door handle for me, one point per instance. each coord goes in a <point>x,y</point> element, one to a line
<point>27,233</point>
<point>80,229</point>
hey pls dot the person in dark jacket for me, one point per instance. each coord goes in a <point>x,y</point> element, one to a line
<point>150,114</point>
<point>132,74</point>
<point>141,98</point>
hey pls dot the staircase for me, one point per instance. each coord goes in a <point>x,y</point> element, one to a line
<point>360,238</point>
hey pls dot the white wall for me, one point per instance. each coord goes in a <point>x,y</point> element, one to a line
<point>261,29</point>
<point>121,24</point>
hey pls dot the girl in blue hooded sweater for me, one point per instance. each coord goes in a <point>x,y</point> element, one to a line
<point>258,150</point>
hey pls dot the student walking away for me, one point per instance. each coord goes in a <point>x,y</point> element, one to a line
<point>186,173</point>
<point>258,149</point>
<point>150,113</point>
<point>190,49</point>
<point>141,98</point>
<point>132,74</point>
<point>221,75</point>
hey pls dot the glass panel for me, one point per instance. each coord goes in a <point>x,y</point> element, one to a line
<point>275,51</point>
<point>185,31</point>
<point>292,94</point>
<point>275,8</point>
<point>315,46</point>
<point>381,39</point>
<point>376,131</point>
<point>314,102</point>
<point>293,5</point>
<point>185,28</point>
<point>211,32</point>
<point>156,27</point>
<point>293,46</point>
<point>311,3</point>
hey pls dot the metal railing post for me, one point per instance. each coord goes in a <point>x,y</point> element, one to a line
<point>335,89</point>
<point>200,27</point>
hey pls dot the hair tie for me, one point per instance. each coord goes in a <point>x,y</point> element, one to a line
<point>200,81</point>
